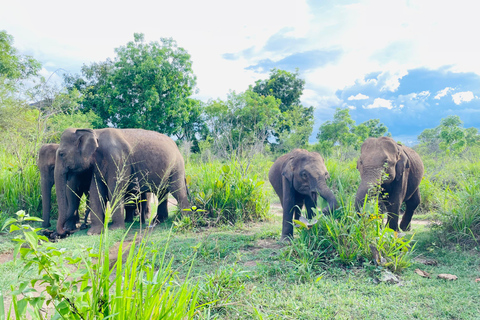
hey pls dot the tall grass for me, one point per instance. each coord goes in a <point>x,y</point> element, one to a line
<point>88,284</point>
<point>224,193</point>
<point>348,237</point>
<point>461,223</point>
<point>19,186</point>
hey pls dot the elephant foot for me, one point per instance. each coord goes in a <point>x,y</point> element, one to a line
<point>46,225</point>
<point>83,226</point>
<point>129,220</point>
<point>70,226</point>
<point>405,228</point>
<point>115,226</point>
<point>95,230</point>
<point>286,238</point>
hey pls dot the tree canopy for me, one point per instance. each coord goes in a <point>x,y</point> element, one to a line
<point>295,122</point>
<point>450,136</point>
<point>146,85</point>
<point>344,132</point>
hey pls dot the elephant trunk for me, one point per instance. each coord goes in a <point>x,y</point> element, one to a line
<point>362,191</point>
<point>328,195</point>
<point>61,190</point>
<point>46,184</point>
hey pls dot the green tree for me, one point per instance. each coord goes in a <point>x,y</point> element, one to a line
<point>295,123</point>
<point>344,132</point>
<point>147,85</point>
<point>450,136</point>
<point>243,123</point>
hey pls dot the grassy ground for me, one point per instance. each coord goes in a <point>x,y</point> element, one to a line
<point>243,269</point>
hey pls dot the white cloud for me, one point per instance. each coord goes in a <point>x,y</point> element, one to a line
<point>460,97</point>
<point>358,97</point>
<point>352,107</point>
<point>380,103</point>
<point>443,93</point>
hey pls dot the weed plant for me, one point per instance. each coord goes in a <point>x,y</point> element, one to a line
<point>88,284</point>
<point>347,237</point>
<point>460,224</point>
<point>224,194</point>
<point>19,186</point>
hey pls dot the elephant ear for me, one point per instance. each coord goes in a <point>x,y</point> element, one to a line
<point>402,164</point>
<point>87,142</point>
<point>287,170</point>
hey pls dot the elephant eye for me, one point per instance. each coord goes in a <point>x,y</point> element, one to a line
<point>304,174</point>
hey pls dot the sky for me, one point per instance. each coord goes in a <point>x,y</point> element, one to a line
<point>407,63</point>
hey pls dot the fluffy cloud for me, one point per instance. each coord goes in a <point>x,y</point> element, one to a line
<point>358,97</point>
<point>380,103</point>
<point>460,97</point>
<point>443,93</point>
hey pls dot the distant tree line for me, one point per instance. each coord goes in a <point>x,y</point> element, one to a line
<point>150,86</point>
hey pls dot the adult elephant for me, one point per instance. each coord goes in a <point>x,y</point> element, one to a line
<point>121,161</point>
<point>297,178</point>
<point>404,170</point>
<point>46,165</point>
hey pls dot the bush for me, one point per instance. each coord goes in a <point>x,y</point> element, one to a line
<point>86,284</point>
<point>19,185</point>
<point>224,193</point>
<point>348,237</point>
<point>460,223</point>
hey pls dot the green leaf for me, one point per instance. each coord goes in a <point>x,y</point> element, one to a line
<point>14,227</point>
<point>8,222</point>
<point>33,219</point>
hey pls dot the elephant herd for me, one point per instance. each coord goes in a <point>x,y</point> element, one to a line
<point>114,165</point>
<point>106,165</point>
<point>299,176</point>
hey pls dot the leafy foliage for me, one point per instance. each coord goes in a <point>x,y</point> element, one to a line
<point>224,194</point>
<point>343,131</point>
<point>295,123</point>
<point>145,86</point>
<point>88,285</point>
<point>242,124</point>
<point>449,136</point>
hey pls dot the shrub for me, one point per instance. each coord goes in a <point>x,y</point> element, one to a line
<point>86,284</point>
<point>225,193</point>
<point>461,223</point>
<point>19,184</point>
<point>348,237</point>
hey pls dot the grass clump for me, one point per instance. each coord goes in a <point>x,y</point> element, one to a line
<point>349,238</point>
<point>460,224</point>
<point>224,194</point>
<point>91,284</point>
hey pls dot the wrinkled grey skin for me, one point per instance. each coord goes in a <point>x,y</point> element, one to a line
<point>119,159</point>
<point>46,165</point>
<point>405,171</point>
<point>297,178</point>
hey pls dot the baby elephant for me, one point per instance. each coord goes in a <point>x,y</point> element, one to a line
<point>404,170</point>
<point>297,178</point>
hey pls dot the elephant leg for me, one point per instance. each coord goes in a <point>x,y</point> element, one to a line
<point>116,196</point>
<point>309,204</point>
<point>145,209</point>
<point>393,210</point>
<point>73,199</point>
<point>178,189</point>
<point>98,201</point>
<point>297,209</point>
<point>129,212</point>
<point>162,211</point>
<point>289,202</point>
<point>411,205</point>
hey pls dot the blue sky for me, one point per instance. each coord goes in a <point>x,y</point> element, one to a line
<point>408,63</point>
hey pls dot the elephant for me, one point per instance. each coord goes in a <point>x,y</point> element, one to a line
<point>118,161</point>
<point>46,166</point>
<point>297,178</point>
<point>404,172</point>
